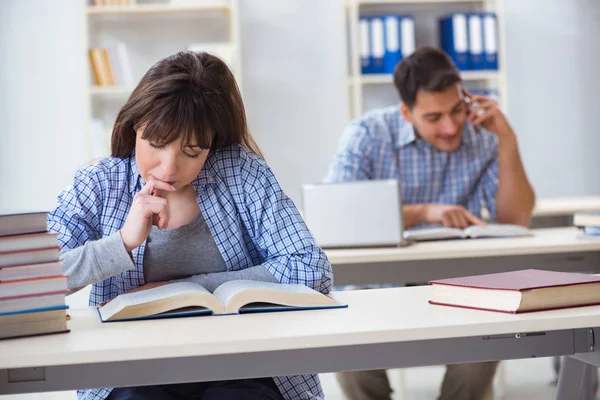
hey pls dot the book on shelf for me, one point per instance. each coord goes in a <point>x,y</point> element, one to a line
<point>101,69</point>
<point>472,232</point>
<point>118,57</point>
<point>518,291</point>
<point>234,297</point>
<point>111,65</point>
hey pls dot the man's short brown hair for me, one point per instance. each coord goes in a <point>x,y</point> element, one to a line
<point>429,69</point>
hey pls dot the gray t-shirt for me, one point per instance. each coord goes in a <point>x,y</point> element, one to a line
<point>181,252</point>
<point>188,253</point>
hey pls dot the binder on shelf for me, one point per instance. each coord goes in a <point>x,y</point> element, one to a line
<point>377,44</point>
<point>118,57</point>
<point>490,41</point>
<point>408,42</point>
<point>475,29</point>
<point>454,39</point>
<point>124,64</point>
<point>392,54</point>
<point>365,45</point>
<point>399,40</point>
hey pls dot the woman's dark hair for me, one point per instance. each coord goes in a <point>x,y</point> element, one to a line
<point>427,68</point>
<point>188,93</point>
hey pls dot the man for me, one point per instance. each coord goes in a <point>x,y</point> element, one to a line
<point>454,153</point>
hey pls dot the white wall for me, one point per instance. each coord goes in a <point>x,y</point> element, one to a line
<point>42,69</point>
<point>295,84</point>
<point>553,54</point>
<point>295,91</point>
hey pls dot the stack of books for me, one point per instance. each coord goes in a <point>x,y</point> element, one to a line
<point>589,222</point>
<point>32,286</point>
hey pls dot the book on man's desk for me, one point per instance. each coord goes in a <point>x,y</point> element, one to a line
<point>518,291</point>
<point>472,232</point>
<point>235,297</point>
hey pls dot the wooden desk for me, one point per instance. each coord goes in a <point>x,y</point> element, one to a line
<point>383,328</point>
<point>561,249</point>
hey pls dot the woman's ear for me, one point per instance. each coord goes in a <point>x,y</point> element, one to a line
<point>406,113</point>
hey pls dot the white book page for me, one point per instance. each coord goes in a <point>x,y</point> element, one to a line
<point>497,230</point>
<point>147,296</point>
<point>162,292</point>
<point>227,291</point>
<point>436,233</point>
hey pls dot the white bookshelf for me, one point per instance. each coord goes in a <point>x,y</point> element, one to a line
<point>426,13</point>
<point>350,2</point>
<point>208,5</point>
<point>114,89</point>
<point>384,79</point>
<point>151,30</point>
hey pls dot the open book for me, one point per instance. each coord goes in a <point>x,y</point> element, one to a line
<point>233,297</point>
<point>472,232</point>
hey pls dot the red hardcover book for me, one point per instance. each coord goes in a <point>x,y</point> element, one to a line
<point>518,291</point>
<point>26,257</point>
<point>28,287</point>
<point>32,241</point>
<point>17,222</point>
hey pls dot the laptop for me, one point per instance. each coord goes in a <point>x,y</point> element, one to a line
<point>354,214</point>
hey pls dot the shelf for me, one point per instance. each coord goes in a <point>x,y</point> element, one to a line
<point>376,2</point>
<point>483,75</point>
<point>378,79</point>
<point>116,90</point>
<point>374,79</point>
<point>209,5</point>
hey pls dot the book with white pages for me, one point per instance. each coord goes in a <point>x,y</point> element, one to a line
<point>38,322</point>
<point>32,303</point>
<point>181,299</point>
<point>28,257</point>
<point>19,272</point>
<point>19,222</point>
<point>32,241</point>
<point>472,232</point>
<point>33,286</point>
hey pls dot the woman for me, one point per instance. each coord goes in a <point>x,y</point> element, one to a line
<point>186,195</point>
